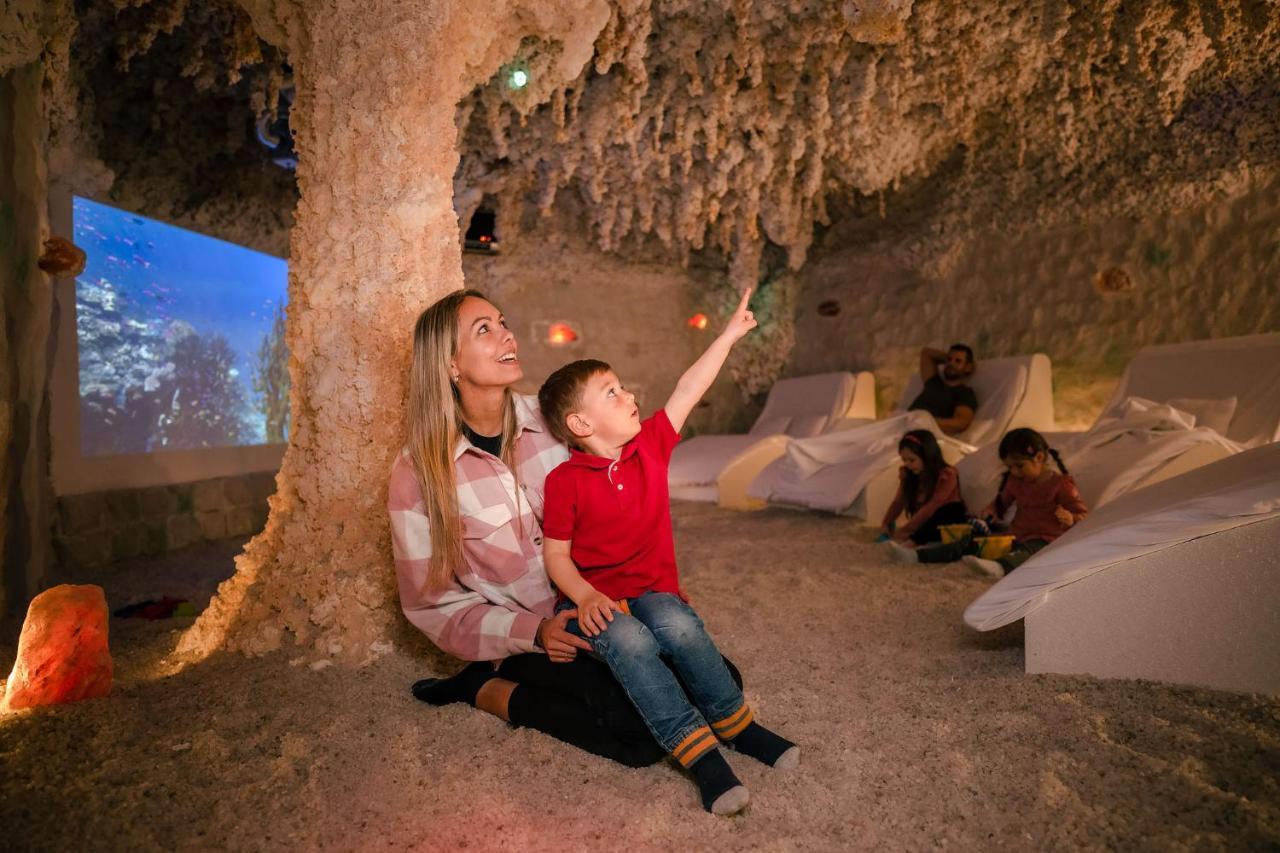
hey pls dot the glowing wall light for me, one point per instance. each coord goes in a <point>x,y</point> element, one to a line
<point>698,321</point>
<point>518,78</point>
<point>561,334</point>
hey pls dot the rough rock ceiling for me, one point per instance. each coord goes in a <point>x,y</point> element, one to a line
<point>725,126</point>
<point>724,123</point>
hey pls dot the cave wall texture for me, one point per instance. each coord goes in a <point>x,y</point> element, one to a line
<point>1210,270</point>
<point>944,170</point>
<point>26,307</point>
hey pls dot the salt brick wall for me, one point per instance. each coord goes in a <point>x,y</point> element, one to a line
<point>102,527</point>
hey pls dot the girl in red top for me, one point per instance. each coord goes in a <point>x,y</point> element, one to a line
<point>928,490</point>
<point>1045,501</point>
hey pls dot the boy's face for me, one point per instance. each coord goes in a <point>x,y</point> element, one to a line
<point>608,412</point>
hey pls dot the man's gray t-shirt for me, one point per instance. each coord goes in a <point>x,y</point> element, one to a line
<point>941,400</point>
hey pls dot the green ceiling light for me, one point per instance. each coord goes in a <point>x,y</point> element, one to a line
<point>518,78</point>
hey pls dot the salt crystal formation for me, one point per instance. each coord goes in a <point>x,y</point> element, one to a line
<point>62,652</point>
<point>725,124</point>
<point>729,132</point>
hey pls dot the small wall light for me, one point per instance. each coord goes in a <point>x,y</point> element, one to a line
<point>698,321</point>
<point>560,334</point>
<point>518,78</point>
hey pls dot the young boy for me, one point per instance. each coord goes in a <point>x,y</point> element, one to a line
<point>609,549</point>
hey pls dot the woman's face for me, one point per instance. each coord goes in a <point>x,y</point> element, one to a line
<point>486,354</point>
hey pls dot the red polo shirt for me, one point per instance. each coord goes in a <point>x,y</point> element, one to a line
<point>617,513</point>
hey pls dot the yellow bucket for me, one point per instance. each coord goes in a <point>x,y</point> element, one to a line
<point>954,532</point>
<point>994,547</point>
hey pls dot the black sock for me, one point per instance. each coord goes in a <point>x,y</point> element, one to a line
<point>761,744</point>
<point>462,687</point>
<point>714,777</point>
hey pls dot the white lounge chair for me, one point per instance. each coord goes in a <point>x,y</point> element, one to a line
<point>1176,583</point>
<point>854,471</point>
<point>799,407</point>
<point>1230,386</point>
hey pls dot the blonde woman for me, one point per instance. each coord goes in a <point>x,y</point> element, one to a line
<point>465,502</point>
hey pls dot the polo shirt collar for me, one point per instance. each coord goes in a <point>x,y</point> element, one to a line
<point>582,459</point>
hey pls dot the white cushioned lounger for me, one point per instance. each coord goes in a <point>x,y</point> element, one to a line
<point>1177,583</point>
<point>1230,385</point>
<point>854,471</point>
<point>798,407</point>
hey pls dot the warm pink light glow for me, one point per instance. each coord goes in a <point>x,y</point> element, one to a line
<point>560,334</point>
<point>698,321</point>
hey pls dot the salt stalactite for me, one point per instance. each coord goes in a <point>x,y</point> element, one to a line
<point>716,125</point>
<point>376,241</point>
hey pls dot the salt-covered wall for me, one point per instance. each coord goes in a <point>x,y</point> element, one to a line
<point>634,315</point>
<point>1209,271</point>
<point>25,333</point>
<point>376,240</point>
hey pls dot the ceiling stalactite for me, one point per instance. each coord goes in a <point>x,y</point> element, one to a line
<point>721,125</point>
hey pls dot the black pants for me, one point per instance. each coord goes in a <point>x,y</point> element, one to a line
<point>948,513</point>
<point>582,704</point>
<point>951,551</point>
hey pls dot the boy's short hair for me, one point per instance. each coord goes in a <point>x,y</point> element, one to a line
<point>964,348</point>
<point>561,394</point>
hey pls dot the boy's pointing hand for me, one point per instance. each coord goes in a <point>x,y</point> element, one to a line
<point>742,320</point>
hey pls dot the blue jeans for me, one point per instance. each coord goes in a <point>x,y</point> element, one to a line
<point>633,645</point>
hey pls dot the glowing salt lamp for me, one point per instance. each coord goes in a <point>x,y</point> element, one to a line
<point>62,652</point>
<point>698,321</point>
<point>559,334</point>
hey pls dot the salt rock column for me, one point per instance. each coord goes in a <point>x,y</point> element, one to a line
<point>376,241</point>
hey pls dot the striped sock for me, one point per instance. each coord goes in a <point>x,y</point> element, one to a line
<point>731,726</point>
<point>722,793</point>
<point>693,747</point>
<point>763,745</point>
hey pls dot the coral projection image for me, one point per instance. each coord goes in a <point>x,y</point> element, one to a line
<point>181,338</point>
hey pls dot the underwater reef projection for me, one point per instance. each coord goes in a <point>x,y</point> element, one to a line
<point>181,338</point>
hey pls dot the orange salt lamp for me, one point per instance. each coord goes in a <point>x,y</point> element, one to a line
<point>62,652</point>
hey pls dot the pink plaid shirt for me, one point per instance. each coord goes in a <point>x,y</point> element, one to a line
<point>494,603</point>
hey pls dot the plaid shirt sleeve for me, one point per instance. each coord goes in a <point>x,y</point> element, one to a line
<point>461,621</point>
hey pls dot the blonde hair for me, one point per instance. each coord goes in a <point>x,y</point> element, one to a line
<point>435,426</point>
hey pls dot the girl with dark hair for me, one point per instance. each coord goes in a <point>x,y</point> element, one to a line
<point>928,491</point>
<point>1045,501</point>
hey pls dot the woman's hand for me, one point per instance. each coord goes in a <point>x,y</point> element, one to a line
<point>1064,515</point>
<point>560,645</point>
<point>595,612</point>
<point>742,320</point>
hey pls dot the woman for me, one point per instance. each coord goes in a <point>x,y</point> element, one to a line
<point>465,502</point>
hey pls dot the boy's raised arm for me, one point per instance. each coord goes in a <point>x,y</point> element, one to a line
<point>698,378</point>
